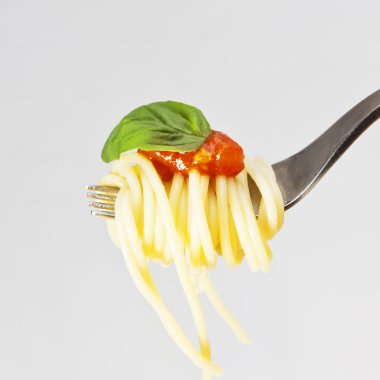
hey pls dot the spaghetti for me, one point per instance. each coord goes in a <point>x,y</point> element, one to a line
<point>190,220</point>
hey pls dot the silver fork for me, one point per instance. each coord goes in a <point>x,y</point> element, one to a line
<point>296,175</point>
<point>104,200</point>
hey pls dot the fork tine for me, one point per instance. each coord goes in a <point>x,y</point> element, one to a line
<point>103,189</point>
<point>102,206</point>
<point>103,197</point>
<point>103,214</point>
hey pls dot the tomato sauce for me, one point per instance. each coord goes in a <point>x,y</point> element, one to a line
<point>218,155</point>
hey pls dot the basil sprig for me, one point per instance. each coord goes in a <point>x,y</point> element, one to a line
<point>170,126</point>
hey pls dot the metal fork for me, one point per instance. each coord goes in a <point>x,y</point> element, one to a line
<point>296,175</point>
<point>104,200</point>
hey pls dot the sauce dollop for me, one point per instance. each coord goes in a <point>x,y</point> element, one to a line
<point>218,155</point>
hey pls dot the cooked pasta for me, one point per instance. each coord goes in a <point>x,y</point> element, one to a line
<point>190,221</point>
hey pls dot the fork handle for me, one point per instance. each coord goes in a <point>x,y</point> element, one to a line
<point>298,174</point>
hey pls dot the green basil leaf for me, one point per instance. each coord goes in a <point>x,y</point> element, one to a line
<point>170,126</point>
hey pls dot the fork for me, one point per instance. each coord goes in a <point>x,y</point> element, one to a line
<point>295,175</point>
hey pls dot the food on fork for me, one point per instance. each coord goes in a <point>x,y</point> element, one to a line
<point>183,198</point>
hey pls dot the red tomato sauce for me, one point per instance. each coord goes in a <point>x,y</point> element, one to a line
<point>218,155</point>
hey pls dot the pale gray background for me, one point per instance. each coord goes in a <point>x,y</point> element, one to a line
<point>272,74</point>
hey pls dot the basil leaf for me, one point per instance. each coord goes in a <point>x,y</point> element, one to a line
<point>170,126</point>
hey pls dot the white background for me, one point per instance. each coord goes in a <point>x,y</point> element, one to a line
<point>273,75</point>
